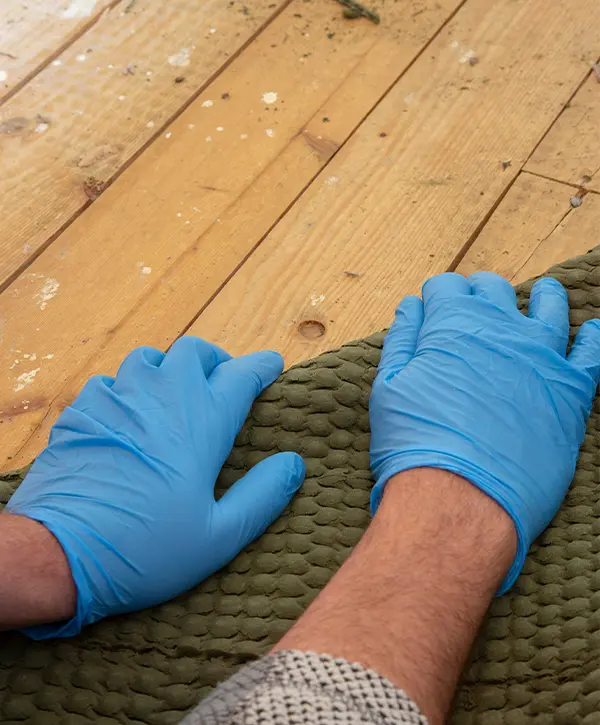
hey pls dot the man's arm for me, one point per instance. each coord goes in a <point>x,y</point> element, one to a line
<point>410,599</point>
<point>36,585</point>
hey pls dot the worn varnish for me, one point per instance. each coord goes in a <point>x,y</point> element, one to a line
<point>400,208</point>
<point>32,33</point>
<point>285,187</point>
<point>161,241</point>
<point>68,133</point>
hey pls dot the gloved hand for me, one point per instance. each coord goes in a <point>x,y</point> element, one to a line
<point>126,483</point>
<point>469,384</point>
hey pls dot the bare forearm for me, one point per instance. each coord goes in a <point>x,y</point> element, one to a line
<point>411,597</point>
<point>35,579</point>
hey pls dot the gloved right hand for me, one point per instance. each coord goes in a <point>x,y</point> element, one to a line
<point>468,384</point>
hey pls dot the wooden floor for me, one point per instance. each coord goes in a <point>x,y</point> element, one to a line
<point>272,174</point>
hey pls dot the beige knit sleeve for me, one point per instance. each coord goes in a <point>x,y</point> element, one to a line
<point>303,688</point>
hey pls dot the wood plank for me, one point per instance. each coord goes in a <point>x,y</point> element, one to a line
<point>160,242</point>
<point>33,33</point>
<point>534,227</point>
<point>402,210</point>
<point>571,150</point>
<point>86,116</point>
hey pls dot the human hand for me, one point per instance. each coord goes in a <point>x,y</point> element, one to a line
<point>468,384</point>
<point>126,483</point>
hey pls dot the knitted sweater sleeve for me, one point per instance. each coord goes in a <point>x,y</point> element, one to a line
<point>303,688</point>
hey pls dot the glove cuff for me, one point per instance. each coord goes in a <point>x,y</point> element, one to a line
<point>488,484</point>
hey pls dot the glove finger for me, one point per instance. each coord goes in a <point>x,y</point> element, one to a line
<point>254,502</point>
<point>88,397</point>
<point>549,304</point>
<point>585,353</point>
<point>190,353</point>
<point>240,380</point>
<point>442,286</point>
<point>136,366</point>
<point>401,340</point>
<point>493,288</point>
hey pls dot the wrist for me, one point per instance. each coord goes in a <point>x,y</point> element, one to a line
<point>478,488</point>
<point>460,510</point>
<point>36,584</point>
<point>477,529</point>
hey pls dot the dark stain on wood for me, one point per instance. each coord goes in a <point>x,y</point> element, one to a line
<point>325,147</point>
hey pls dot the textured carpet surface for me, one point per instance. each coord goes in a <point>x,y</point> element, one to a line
<point>537,659</point>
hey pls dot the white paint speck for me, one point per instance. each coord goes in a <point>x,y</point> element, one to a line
<point>41,127</point>
<point>409,98</point>
<point>150,124</point>
<point>168,134</point>
<point>270,133</point>
<point>78,112</point>
<point>212,30</point>
<point>466,56</point>
<point>316,299</point>
<point>48,292</point>
<point>49,356</point>
<point>454,44</point>
<point>3,76</point>
<point>179,214</point>
<point>269,97</point>
<point>25,379</point>
<point>190,126</point>
<point>110,65</point>
<point>243,136</point>
<point>220,128</point>
<point>206,104</point>
<point>146,270</point>
<point>208,138</point>
<point>180,59</point>
<point>26,248</point>
<point>57,62</point>
<point>79,9</point>
<point>332,180</point>
<point>121,98</point>
<point>81,58</point>
<point>187,221</point>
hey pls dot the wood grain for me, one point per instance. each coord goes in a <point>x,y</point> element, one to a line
<point>571,150</point>
<point>86,115</point>
<point>158,244</point>
<point>33,32</point>
<point>403,209</point>
<point>533,228</point>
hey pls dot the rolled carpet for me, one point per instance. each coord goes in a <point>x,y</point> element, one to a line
<point>538,655</point>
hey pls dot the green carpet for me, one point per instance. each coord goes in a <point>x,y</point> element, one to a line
<point>538,657</point>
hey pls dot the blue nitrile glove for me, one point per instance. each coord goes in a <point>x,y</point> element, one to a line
<point>126,483</point>
<point>468,384</point>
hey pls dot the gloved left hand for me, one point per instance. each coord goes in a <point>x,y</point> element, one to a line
<point>126,483</point>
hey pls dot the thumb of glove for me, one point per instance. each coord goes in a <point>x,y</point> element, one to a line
<point>254,502</point>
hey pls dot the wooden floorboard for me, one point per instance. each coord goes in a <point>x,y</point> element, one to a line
<point>163,239</point>
<point>534,227</point>
<point>396,210</point>
<point>571,150</point>
<point>71,130</point>
<point>32,33</point>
